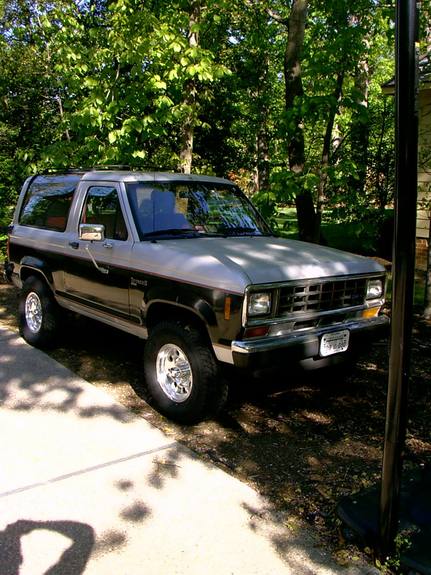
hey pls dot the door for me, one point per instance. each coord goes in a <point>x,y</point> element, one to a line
<point>97,273</point>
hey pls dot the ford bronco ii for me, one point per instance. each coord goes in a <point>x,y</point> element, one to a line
<point>187,263</point>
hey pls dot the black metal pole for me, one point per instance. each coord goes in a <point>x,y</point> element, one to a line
<point>403,269</point>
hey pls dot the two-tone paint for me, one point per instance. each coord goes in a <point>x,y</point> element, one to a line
<point>132,284</point>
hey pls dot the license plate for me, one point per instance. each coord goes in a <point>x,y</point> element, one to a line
<point>334,342</point>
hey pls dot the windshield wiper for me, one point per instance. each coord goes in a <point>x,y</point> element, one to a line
<point>173,232</point>
<point>239,231</point>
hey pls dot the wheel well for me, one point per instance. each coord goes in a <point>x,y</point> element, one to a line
<point>29,272</point>
<point>168,312</point>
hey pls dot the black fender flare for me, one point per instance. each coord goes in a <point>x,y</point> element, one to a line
<point>37,265</point>
<point>185,303</point>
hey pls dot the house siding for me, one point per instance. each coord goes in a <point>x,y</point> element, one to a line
<point>424,179</point>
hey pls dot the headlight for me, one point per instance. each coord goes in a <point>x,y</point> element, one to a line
<point>374,289</point>
<point>259,304</point>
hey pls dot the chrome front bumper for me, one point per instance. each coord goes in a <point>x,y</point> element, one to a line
<point>305,343</point>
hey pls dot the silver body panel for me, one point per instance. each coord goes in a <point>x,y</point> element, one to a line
<point>234,263</point>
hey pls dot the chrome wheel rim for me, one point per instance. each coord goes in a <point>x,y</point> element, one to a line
<point>174,373</point>
<point>33,312</point>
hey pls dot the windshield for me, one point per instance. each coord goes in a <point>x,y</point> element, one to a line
<point>192,209</point>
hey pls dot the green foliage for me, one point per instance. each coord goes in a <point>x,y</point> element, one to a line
<point>127,70</point>
<point>88,82</point>
<point>402,544</point>
<point>369,236</point>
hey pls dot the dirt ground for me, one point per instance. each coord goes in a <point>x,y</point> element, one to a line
<point>301,439</point>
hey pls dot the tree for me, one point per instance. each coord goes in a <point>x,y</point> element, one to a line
<point>284,97</point>
<point>134,77</point>
<point>295,23</point>
<point>190,93</point>
<point>28,103</point>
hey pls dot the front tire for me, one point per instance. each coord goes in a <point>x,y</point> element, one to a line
<point>37,313</point>
<point>181,373</point>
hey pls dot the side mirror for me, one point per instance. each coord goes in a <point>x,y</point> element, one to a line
<point>92,232</point>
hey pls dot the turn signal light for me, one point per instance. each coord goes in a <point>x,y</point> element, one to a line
<point>227,304</point>
<point>260,331</point>
<point>370,312</point>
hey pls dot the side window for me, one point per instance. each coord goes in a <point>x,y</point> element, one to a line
<point>157,208</point>
<point>47,203</point>
<point>102,206</point>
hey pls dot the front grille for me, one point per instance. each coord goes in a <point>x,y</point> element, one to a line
<point>324,296</point>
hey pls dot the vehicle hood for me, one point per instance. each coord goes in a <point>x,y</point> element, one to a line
<point>232,263</point>
<point>270,259</point>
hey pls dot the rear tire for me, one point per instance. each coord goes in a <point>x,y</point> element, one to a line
<point>181,373</point>
<point>38,313</point>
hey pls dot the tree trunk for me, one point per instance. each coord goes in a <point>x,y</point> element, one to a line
<point>293,81</point>
<point>61,111</point>
<point>381,166</point>
<point>327,146</point>
<point>188,128</point>
<point>307,221</point>
<point>261,111</point>
<point>187,131</point>
<point>360,131</point>
<point>262,149</point>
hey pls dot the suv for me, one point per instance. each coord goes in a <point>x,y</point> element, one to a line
<point>187,263</point>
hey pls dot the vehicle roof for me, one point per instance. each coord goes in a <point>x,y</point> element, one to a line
<point>131,176</point>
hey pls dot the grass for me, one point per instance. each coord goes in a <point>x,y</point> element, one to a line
<point>419,292</point>
<point>419,289</point>
<point>352,236</point>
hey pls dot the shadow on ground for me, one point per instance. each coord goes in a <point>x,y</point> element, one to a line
<point>71,562</point>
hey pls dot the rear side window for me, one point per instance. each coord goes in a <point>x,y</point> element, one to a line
<point>47,202</point>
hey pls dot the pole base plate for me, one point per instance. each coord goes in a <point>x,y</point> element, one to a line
<point>360,513</point>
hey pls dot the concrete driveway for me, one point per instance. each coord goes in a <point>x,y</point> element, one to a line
<point>86,487</point>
